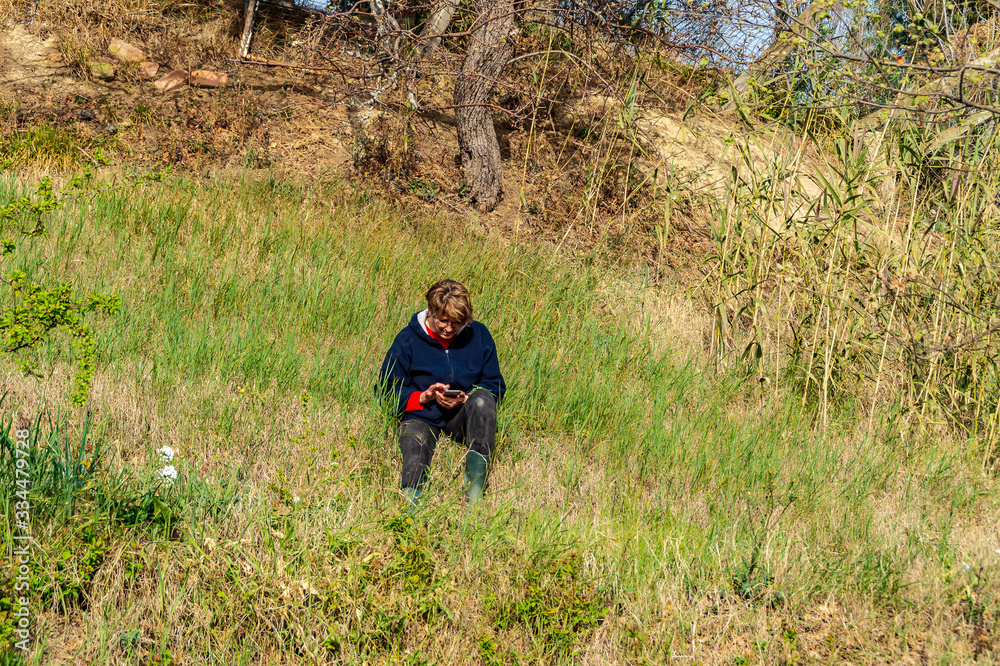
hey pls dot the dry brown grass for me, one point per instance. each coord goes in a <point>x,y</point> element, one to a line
<point>169,592</point>
<point>174,589</point>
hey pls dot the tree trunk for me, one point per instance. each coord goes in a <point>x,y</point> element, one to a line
<point>250,8</point>
<point>489,50</point>
<point>437,23</point>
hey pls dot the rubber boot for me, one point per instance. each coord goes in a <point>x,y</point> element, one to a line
<point>476,467</point>
<point>412,496</point>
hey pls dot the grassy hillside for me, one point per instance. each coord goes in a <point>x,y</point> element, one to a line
<point>643,506</point>
<point>754,398</point>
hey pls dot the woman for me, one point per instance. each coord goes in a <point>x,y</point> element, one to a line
<point>442,371</point>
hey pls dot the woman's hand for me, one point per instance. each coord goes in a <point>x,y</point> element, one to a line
<point>436,394</point>
<point>452,403</point>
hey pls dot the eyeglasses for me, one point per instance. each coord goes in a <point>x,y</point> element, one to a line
<point>444,323</point>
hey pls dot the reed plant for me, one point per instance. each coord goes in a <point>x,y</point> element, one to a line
<point>878,289</point>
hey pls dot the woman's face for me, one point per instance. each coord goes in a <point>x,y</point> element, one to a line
<point>443,328</point>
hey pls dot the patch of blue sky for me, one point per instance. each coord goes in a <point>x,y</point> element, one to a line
<point>316,5</point>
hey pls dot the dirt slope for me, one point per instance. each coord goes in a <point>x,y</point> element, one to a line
<point>27,59</point>
<point>261,119</point>
<point>290,121</point>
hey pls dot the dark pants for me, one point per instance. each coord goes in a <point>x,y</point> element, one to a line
<point>475,425</point>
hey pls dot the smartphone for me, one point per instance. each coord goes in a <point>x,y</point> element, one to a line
<point>452,393</point>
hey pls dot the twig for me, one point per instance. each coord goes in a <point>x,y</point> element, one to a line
<point>31,14</point>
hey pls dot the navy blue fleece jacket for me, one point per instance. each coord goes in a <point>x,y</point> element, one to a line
<point>415,361</point>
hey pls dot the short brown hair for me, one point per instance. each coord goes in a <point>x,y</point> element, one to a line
<point>450,300</point>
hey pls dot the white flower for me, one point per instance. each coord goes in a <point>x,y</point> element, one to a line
<point>169,473</point>
<point>335,463</point>
<point>296,499</point>
<point>166,453</point>
<point>965,565</point>
<point>997,551</point>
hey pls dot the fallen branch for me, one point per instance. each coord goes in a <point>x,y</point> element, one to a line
<point>250,60</point>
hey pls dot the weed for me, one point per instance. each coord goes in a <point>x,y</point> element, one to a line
<point>387,151</point>
<point>44,145</point>
<point>65,581</point>
<point>126,503</point>
<point>161,657</point>
<point>255,158</point>
<point>77,56</point>
<point>412,561</point>
<point>974,598</point>
<point>426,191</point>
<point>129,641</point>
<point>750,580</point>
<point>376,632</point>
<point>553,603</point>
<point>145,114</point>
<point>61,465</point>
<point>493,655</point>
<point>36,312</point>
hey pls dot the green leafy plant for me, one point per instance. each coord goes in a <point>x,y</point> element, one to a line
<point>30,312</point>
<point>412,559</point>
<point>424,190</point>
<point>750,579</point>
<point>60,577</point>
<point>975,603</point>
<point>130,501</point>
<point>64,578</point>
<point>554,603</point>
<point>30,207</point>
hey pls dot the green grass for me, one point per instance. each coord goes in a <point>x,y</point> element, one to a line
<point>641,507</point>
<point>53,147</point>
